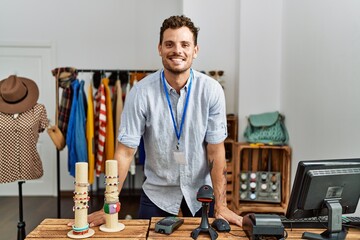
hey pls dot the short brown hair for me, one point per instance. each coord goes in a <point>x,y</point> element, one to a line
<point>175,22</point>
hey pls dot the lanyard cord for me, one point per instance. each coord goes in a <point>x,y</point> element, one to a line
<point>178,133</point>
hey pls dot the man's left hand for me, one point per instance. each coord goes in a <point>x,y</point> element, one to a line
<point>225,213</point>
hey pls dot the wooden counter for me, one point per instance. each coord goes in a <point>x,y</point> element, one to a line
<point>184,231</point>
<point>57,229</point>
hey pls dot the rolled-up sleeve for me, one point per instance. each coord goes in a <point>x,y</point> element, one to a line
<point>132,119</point>
<point>217,126</point>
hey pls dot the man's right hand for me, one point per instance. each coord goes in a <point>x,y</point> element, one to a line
<point>96,218</point>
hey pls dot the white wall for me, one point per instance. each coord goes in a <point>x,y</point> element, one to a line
<point>88,33</point>
<point>260,58</point>
<point>321,78</point>
<point>320,89</point>
<point>218,41</point>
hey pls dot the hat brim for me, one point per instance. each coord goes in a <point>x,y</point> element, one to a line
<point>25,104</point>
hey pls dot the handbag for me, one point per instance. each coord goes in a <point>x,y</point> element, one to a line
<point>57,137</point>
<point>267,128</point>
<point>54,131</point>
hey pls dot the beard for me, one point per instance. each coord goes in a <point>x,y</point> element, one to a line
<point>175,69</point>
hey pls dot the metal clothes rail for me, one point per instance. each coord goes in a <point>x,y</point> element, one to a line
<point>129,72</point>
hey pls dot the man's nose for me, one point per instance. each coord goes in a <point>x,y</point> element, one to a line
<point>178,49</point>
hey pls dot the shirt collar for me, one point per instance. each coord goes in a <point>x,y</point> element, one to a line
<point>171,89</point>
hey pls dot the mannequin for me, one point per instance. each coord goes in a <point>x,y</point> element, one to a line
<point>21,121</point>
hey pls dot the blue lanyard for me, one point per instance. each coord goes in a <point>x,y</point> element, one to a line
<point>178,133</point>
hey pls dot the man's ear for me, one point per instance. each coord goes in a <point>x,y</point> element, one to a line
<point>196,50</point>
<point>159,49</point>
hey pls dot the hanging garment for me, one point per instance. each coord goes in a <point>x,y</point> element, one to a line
<point>76,137</point>
<point>19,158</point>
<point>100,128</point>
<point>96,126</point>
<point>65,77</point>
<point>127,89</point>
<point>70,135</point>
<point>90,135</point>
<point>136,76</point>
<point>65,106</point>
<point>109,143</point>
<point>80,126</point>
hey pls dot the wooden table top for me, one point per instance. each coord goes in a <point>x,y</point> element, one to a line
<point>184,231</point>
<point>57,229</point>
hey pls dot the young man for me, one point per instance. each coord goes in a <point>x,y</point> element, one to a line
<point>180,113</point>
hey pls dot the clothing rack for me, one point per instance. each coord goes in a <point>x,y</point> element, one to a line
<point>128,71</point>
<point>131,178</point>
<point>116,71</point>
<point>103,71</point>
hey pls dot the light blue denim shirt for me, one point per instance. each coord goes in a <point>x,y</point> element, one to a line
<point>146,113</point>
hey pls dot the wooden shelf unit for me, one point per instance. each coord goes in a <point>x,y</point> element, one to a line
<point>230,176</point>
<point>280,162</point>
<point>232,127</point>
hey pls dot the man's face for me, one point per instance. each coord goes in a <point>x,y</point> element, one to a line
<point>177,49</point>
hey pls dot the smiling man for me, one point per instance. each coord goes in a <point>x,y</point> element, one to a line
<point>180,113</point>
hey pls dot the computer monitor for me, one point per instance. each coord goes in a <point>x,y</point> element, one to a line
<point>325,187</point>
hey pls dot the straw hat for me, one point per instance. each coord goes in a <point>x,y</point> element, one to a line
<point>17,94</point>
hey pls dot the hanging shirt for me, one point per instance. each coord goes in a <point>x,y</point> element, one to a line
<point>100,129</point>
<point>109,135</point>
<point>19,158</point>
<point>96,123</point>
<point>80,125</point>
<point>90,135</point>
<point>146,113</point>
<point>71,129</point>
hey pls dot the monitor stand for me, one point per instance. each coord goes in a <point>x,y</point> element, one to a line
<point>334,231</point>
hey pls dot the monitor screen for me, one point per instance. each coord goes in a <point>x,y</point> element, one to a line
<point>325,187</point>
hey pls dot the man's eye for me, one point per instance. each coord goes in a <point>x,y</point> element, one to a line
<point>168,44</point>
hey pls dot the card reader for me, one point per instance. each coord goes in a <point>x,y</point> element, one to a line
<point>168,225</point>
<point>263,225</point>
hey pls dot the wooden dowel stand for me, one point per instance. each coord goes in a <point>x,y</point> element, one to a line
<point>81,227</point>
<point>112,204</point>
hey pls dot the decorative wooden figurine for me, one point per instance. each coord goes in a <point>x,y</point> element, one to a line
<point>111,204</point>
<point>81,227</point>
